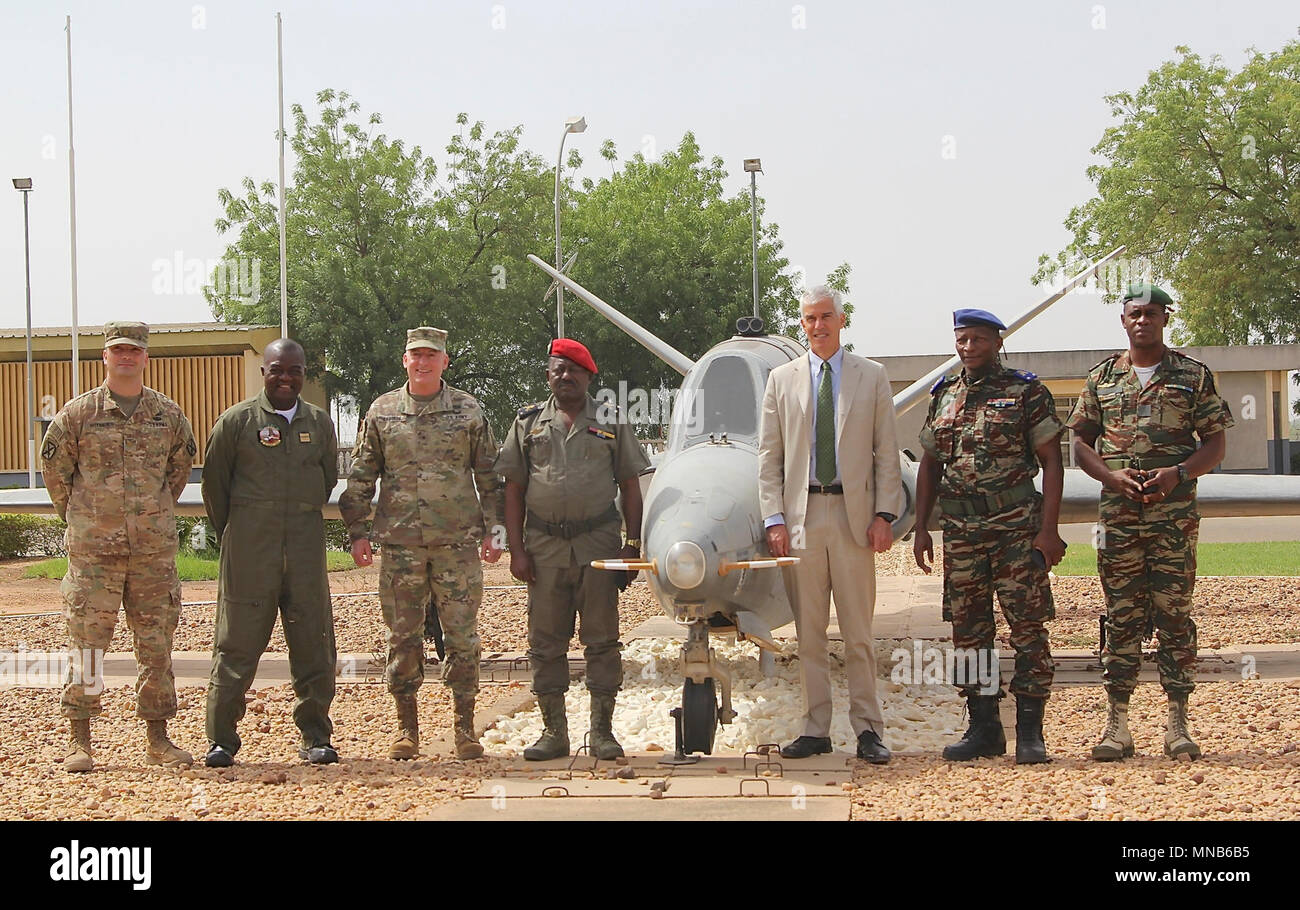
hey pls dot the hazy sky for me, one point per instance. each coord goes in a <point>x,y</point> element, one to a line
<point>850,105</point>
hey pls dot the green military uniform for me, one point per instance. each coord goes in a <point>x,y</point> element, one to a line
<point>115,479</point>
<point>265,481</point>
<point>429,458</point>
<point>1147,551</point>
<point>983,431</point>
<point>570,477</point>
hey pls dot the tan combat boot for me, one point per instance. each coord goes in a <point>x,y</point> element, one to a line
<point>406,744</point>
<point>467,744</point>
<point>1177,740</point>
<point>1116,742</point>
<point>79,754</point>
<point>554,741</point>
<point>161,750</point>
<point>601,740</point>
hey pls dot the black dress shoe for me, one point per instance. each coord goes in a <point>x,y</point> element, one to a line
<point>872,749</point>
<point>805,746</point>
<point>219,757</point>
<point>319,755</point>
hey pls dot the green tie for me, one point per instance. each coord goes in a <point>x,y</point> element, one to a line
<point>825,428</point>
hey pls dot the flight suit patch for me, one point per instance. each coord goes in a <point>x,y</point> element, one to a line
<point>269,436</point>
<point>304,437</point>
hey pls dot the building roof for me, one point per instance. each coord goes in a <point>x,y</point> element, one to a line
<point>154,329</point>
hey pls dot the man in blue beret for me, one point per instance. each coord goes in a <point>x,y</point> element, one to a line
<point>988,430</point>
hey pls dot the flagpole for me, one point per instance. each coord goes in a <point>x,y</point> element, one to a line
<point>284,269</point>
<point>72,220</point>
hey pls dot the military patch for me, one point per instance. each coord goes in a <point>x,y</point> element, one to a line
<point>269,436</point>
<point>304,437</point>
<point>530,409</point>
<point>191,447</point>
<point>1003,402</point>
<point>50,449</point>
<point>597,431</point>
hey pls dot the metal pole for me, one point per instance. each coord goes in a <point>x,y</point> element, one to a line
<point>31,392</point>
<point>284,266</point>
<point>72,220</point>
<point>559,261</point>
<point>753,222</point>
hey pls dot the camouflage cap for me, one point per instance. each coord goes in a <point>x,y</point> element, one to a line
<point>426,336</point>
<point>134,333</point>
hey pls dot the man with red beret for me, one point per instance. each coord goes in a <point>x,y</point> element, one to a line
<point>564,461</point>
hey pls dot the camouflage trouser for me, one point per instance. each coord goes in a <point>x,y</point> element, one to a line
<point>147,589</point>
<point>555,599</point>
<point>975,564</point>
<point>453,576</point>
<point>1149,566</point>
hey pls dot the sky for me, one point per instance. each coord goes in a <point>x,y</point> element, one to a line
<point>936,147</point>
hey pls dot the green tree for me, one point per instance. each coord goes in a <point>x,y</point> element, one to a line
<point>1202,180</point>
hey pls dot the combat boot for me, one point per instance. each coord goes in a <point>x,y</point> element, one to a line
<point>1030,748</point>
<point>985,737</point>
<point>554,741</point>
<point>1177,740</point>
<point>467,744</point>
<point>79,754</point>
<point>1116,742</point>
<point>602,742</point>
<point>406,744</point>
<point>160,750</point>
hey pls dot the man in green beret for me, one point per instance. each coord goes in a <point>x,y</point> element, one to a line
<point>1136,427</point>
<point>115,461</point>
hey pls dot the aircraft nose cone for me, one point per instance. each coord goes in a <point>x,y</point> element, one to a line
<point>684,565</point>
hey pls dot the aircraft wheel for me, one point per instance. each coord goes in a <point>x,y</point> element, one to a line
<point>699,716</point>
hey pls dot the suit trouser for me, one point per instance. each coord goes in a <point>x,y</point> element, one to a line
<point>832,561</point>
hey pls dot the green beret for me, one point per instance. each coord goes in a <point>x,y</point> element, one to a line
<point>1149,293</point>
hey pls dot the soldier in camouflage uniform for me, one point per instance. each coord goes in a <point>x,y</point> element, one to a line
<point>1135,428</point>
<point>116,460</point>
<point>432,447</point>
<point>564,461</point>
<point>269,469</point>
<point>987,431</point>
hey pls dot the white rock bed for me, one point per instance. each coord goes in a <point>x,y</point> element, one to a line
<point>917,717</point>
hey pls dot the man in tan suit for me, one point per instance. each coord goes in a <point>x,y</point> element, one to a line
<point>829,486</point>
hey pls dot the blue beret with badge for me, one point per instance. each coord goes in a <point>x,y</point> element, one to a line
<point>966,318</point>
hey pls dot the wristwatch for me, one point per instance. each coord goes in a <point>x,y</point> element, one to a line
<point>1182,472</point>
<point>888,516</point>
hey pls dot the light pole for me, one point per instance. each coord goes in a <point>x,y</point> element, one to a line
<point>24,186</point>
<point>754,167</point>
<point>572,125</point>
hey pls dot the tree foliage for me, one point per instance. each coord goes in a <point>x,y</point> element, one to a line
<point>1202,179</point>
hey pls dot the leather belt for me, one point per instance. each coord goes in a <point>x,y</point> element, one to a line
<point>571,529</point>
<point>1142,462</point>
<point>830,488</point>
<point>993,502</point>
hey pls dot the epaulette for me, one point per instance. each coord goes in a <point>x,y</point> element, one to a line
<point>529,410</point>
<point>943,381</point>
<point>1026,375</point>
<point>1102,363</point>
<point>1190,359</point>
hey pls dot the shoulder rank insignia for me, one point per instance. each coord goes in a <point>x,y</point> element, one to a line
<point>529,410</point>
<point>597,431</point>
<point>943,380</point>
<point>1026,375</point>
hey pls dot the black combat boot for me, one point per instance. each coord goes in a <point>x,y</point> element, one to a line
<point>1030,748</point>
<point>985,737</point>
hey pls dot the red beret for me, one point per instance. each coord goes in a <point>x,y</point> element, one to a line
<point>575,351</point>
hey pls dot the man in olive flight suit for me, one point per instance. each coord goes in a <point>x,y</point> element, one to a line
<point>1135,429</point>
<point>269,469</point>
<point>564,461</point>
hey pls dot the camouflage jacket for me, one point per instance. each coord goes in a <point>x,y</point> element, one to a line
<point>1156,423</point>
<point>428,458</point>
<point>570,473</point>
<point>983,432</point>
<point>116,479</point>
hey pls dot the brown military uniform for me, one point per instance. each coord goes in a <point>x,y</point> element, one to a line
<point>1147,551</point>
<point>571,477</point>
<point>438,498</point>
<point>115,480</point>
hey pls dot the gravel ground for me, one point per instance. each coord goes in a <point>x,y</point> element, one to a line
<point>269,782</point>
<point>1250,770</point>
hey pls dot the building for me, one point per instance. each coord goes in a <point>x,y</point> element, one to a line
<point>1251,378</point>
<point>203,367</point>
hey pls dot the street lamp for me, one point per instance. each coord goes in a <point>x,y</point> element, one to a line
<point>24,186</point>
<point>572,125</point>
<point>754,167</point>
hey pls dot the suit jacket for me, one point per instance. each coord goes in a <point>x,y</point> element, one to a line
<point>866,445</point>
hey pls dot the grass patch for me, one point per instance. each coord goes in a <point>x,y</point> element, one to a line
<point>189,566</point>
<point>1278,557</point>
